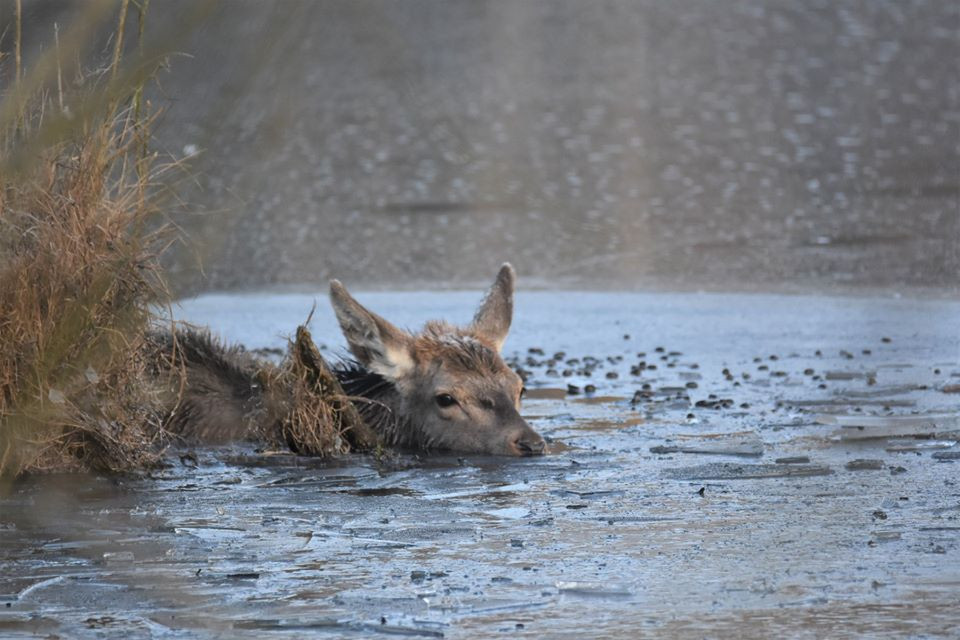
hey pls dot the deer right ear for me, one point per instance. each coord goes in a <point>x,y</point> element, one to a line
<point>492,319</point>
<point>377,344</point>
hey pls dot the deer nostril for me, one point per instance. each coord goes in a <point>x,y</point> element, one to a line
<point>526,446</point>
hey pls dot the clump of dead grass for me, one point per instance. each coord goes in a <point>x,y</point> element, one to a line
<point>78,285</point>
<point>83,385</point>
<point>311,414</point>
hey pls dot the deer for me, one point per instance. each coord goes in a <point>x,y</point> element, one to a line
<point>444,388</point>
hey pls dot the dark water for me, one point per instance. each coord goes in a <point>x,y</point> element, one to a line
<point>737,145</point>
<point>765,501</point>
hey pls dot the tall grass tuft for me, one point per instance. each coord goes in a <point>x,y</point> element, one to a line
<point>78,277</point>
<point>82,384</point>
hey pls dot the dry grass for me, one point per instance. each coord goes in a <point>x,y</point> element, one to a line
<point>78,283</point>
<point>81,387</point>
<point>311,414</point>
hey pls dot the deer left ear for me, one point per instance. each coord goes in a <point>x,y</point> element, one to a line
<point>492,320</point>
<point>376,343</point>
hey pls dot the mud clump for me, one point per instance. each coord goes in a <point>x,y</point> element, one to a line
<point>731,471</point>
<point>946,455</point>
<point>715,403</point>
<point>864,465</point>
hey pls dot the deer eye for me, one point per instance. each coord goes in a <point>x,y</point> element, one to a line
<point>445,400</point>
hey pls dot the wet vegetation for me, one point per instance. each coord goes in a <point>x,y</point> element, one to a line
<point>83,203</point>
<point>316,417</point>
<point>78,274</point>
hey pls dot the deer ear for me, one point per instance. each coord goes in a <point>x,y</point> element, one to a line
<point>376,343</point>
<point>492,320</point>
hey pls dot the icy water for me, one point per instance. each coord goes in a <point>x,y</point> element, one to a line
<point>779,466</point>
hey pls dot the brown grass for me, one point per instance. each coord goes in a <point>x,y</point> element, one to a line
<point>81,387</point>
<point>78,285</point>
<point>313,415</point>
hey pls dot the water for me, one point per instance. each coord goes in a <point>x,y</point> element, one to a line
<point>772,528</point>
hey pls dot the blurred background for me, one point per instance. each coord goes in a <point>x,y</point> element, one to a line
<point>739,145</point>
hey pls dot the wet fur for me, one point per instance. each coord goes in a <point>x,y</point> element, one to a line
<point>375,398</point>
<point>442,388</point>
<point>223,398</point>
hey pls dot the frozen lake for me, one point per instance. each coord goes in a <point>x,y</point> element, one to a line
<point>787,468</point>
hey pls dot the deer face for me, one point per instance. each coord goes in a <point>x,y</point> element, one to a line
<point>453,388</point>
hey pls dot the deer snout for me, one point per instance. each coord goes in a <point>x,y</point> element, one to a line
<point>526,442</point>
